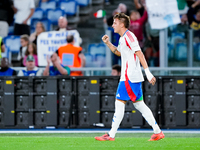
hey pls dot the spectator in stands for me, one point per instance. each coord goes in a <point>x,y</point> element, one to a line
<point>152,50</point>
<point>121,8</point>
<point>194,18</point>
<point>62,24</point>
<point>140,6</point>
<point>2,46</point>
<point>6,16</point>
<point>25,10</point>
<point>38,30</point>
<point>183,26</point>
<point>32,50</point>
<point>136,25</point>
<point>5,69</point>
<point>57,68</point>
<point>116,70</point>
<point>71,56</point>
<point>31,69</point>
<point>24,40</point>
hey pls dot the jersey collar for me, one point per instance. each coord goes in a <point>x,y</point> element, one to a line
<point>125,32</point>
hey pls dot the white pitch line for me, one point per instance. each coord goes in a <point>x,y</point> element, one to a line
<point>97,131</point>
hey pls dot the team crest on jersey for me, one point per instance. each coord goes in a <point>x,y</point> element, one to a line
<point>118,95</point>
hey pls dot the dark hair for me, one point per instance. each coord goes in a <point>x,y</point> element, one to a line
<point>25,37</point>
<point>116,67</point>
<point>34,49</point>
<point>70,38</point>
<point>123,18</point>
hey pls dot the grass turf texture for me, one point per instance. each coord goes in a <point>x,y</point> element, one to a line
<point>86,141</point>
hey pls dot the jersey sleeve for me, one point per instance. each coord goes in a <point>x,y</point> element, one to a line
<point>132,42</point>
<point>68,70</point>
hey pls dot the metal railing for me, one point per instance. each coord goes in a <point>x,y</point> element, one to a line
<point>172,71</point>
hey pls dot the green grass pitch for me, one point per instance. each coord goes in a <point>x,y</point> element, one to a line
<point>86,141</point>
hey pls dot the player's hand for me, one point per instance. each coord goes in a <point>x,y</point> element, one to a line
<point>105,39</point>
<point>153,81</point>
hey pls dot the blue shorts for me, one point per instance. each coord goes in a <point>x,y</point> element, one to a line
<point>129,91</point>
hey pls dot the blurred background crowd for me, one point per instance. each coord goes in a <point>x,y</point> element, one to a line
<point>22,21</point>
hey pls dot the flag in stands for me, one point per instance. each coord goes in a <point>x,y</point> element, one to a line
<point>100,14</point>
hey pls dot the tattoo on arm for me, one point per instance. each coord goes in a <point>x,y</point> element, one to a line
<point>114,51</point>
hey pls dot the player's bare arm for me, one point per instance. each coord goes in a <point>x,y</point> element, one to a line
<point>105,39</point>
<point>142,59</point>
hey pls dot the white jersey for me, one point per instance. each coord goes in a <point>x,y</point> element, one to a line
<point>23,10</point>
<point>131,69</point>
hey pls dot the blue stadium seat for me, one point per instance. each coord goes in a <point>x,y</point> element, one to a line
<point>70,7</point>
<point>197,51</point>
<point>181,52</point>
<point>38,14</point>
<point>177,37</point>
<point>170,51</point>
<point>53,15</point>
<point>94,49</point>
<point>11,30</point>
<point>89,60</point>
<point>101,59</point>
<point>6,54</point>
<point>46,22</point>
<point>85,7</point>
<point>83,3</point>
<point>12,43</point>
<point>51,4</point>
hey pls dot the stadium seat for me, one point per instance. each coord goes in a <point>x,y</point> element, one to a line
<point>181,52</point>
<point>46,22</point>
<point>94,49</point>
<point>53,15</point>
<point>83,2</point>
<point>7,54</point>
<point>196,51</point>
<point>170,51</point>
<point>101,59</point>
<point>51,4</point>
<point>13,43</point>
<point>89,60</point>
<point>71,9</point>
<point>11,30</point>
<point>177,37</point>
<point>85,7</point>
<point>38,14</point>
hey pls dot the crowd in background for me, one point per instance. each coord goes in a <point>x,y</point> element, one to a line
<point>148,38</point>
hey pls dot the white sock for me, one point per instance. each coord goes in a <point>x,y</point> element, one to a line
<point>147,114</point>
<point>117,118</point>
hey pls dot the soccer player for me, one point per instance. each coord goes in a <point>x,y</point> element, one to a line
<point>129,87</point>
